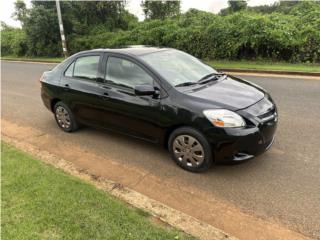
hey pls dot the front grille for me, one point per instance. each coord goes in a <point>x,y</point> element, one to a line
<point>267,114</point>
<point>260,108</point>
<point>264,110</point>
<point>271,115</point>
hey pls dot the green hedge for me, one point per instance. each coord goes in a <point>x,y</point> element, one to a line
<point>293,37</point>
<point>242,35</point>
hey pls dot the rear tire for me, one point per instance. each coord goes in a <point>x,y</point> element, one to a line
<point>190,149</point>
<point>64,117</point>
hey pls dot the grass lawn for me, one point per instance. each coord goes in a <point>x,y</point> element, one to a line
<point>218,64</point>
<point>41,202</point>
<point>265,65</point>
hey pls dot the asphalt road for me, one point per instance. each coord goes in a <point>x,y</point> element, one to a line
<point>282,184</point>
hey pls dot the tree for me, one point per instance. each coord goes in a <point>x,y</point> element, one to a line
<point>238,5</point>
<point>4,26</point>
<point>111,14</point>
<point>40,22</point>
<point>234,6</point>
<point>20,11</point>
<point>281,6</point>
<point>160,9</point>
<point>42,29</point>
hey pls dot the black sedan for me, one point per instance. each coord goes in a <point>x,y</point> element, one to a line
<point>164,96</point>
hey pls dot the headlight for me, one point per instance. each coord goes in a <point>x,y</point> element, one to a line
<point>224,118</point>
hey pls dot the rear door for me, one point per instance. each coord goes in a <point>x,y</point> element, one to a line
<point>81,90</point>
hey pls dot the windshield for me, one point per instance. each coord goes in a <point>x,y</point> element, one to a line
<point>177,67</point>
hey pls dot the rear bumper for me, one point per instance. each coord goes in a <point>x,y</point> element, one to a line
<point>240,144</point>
<point>46,99</point>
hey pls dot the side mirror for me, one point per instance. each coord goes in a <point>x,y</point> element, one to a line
<point>145,90</point>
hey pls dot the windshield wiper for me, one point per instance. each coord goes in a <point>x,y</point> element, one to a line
<point>185,84</point>
<point>214,77</point>
<point>206,76</point>
<point>205,79</point>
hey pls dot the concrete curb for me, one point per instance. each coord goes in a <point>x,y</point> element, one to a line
<point>269,75</point>
<point>173,217</point>
<point>229,70</point>
<point>29,61</point>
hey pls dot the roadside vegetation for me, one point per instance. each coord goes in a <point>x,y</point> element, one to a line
<point>265,65</point>
<point>41,202</point>
<point>217,64</point>
<point>285,31</point>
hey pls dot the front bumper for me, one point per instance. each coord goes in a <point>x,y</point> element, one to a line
<point>239,144</point>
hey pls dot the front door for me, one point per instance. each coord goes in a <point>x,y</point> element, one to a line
<point>135,115</point>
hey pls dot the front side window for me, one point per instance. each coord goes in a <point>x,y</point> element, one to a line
<point>86,67</point>
<point>126,73</point>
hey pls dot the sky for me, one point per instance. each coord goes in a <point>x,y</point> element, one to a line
<point>7,7</point>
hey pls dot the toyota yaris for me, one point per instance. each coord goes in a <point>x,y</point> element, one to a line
<point>164,96</point>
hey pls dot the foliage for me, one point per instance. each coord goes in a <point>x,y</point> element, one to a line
<point>234,6</point>
<point>40,22</point>
<point>81,16</point>
<point>160,9</point>
<point>42,30</point>
<point>290,32</point>
<point>286,7</point>
<point>13,41</point>
<point>21,11</point>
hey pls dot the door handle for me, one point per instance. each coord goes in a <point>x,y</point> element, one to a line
<point>105,96</point>
<point>66,87</point>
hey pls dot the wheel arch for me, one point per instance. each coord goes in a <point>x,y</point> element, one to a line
<point>53,103</point>
<point>169,131</point>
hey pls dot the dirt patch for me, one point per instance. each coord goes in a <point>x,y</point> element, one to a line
<point>137,186</point>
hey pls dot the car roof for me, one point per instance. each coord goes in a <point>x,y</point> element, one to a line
<point>135,50</point>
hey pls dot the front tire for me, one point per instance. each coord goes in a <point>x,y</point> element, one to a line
<point>64,117</point>
<point>190,149</point>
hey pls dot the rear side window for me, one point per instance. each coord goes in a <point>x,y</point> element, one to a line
<point>85,67</point>
<point>69,71</point>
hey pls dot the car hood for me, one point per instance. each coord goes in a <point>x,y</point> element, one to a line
<point>232,93</point>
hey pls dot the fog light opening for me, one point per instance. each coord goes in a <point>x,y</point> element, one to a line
<point>240,156</point>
